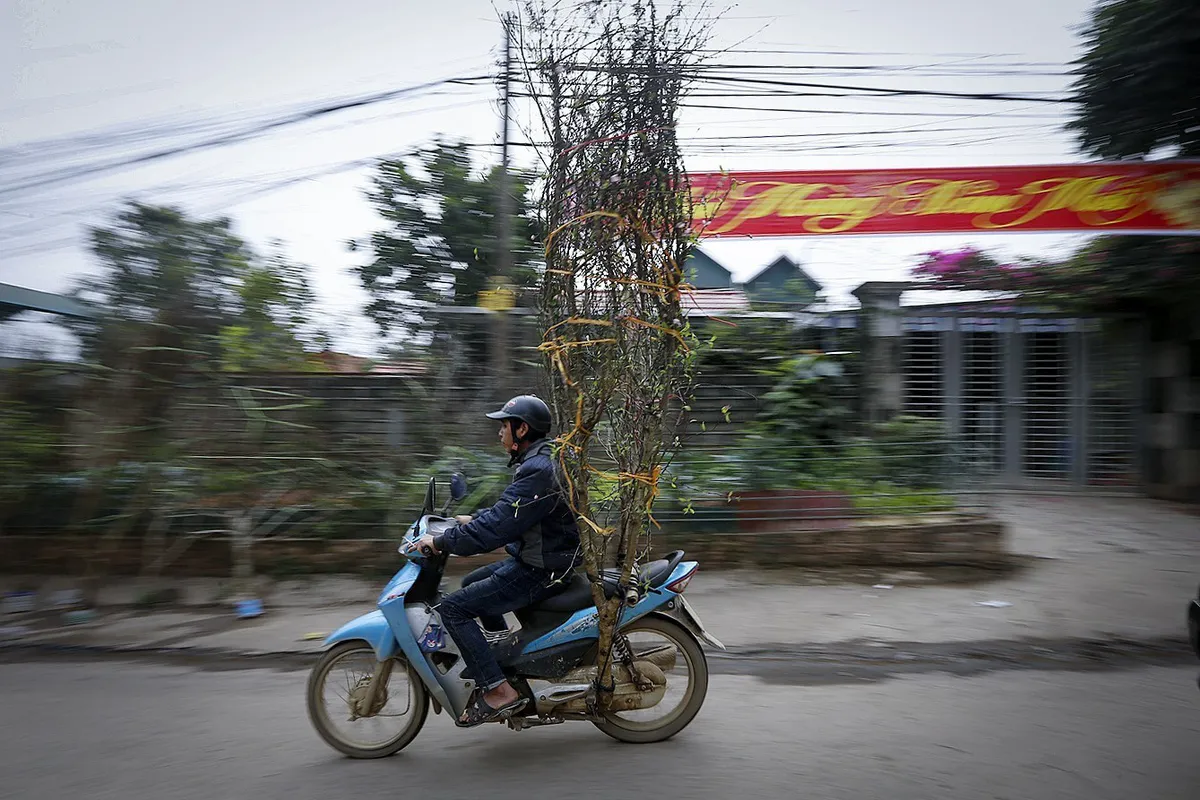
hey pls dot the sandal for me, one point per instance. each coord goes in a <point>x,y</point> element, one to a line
<point>479,712</point>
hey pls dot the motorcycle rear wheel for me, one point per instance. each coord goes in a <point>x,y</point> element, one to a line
<point>416,709</point>
<point>621,727</point>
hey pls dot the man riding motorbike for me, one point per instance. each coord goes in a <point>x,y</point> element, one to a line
<point>534,523</point>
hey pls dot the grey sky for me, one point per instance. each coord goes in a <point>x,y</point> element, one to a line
<point>69,67</point>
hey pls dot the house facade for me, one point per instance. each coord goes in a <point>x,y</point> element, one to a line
<point>780,286</point>
<point>704,272</point>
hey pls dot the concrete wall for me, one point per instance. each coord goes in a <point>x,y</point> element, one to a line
<point>1171,406</point>
<point>962,541</point>
<point>881,333</point>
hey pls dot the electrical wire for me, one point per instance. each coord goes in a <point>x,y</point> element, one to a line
<point>854,113</point>
<point>740,78</point>
<point>231,138</point>
<point>885,91</point>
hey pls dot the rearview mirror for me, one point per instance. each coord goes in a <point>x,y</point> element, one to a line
<point>458,487</point>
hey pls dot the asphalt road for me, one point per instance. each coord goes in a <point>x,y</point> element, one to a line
<point>88,729</point>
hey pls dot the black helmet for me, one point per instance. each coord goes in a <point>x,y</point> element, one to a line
<point>528,409</point>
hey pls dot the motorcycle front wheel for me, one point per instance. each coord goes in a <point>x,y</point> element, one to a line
<point>687,684</point>
<point>352,722</point>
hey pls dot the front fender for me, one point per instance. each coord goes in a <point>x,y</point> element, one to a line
<point>371,628</point>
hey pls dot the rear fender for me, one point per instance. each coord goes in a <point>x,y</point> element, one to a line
<point>371,628</point>
<point>674,607</point>
<point>680,612</point>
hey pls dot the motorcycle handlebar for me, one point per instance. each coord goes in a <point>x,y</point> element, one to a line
<point>411,548</point>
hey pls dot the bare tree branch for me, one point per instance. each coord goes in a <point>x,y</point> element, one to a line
<point>607,77</point>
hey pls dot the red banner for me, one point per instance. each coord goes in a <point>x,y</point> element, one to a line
<point>1148,198</point>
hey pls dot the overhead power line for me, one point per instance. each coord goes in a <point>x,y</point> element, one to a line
<point>855,113</point>
<point>849,90</point>
<point>853,134</point>
<point>231,138</point>
<point>120,140</point>
<point>886,91</point>
<point>769,49</point>
<point>986,70</point>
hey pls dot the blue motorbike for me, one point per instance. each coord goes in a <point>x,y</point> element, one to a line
<point>370,692</point>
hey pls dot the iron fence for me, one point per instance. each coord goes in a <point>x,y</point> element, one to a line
<point>1004,397</point>
<point>1049,400</point>
<point>349,457</point>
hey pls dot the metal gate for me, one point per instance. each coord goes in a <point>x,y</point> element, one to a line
<point>1032,398</point>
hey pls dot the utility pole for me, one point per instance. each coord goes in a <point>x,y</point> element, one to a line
<point>502,355</point>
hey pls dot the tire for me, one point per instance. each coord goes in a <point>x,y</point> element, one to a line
<point>318,715</point>
<point>622,730</point>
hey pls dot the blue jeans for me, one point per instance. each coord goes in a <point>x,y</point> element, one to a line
<point>487,594</point>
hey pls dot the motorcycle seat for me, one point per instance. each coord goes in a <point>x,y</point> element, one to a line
<point>577,593</point>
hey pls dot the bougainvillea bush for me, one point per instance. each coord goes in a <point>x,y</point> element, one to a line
<point>1109,274</point>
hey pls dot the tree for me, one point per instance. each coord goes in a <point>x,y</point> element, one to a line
<point>28,449</point>
<point>176,296</point>
<point>1136,96</point>
<point>176,302</point>
<point>608,77</point>
<point>1111,274</point>
<point>165,288</point>
<point>439,243</point>
<point>164,281</point>
<point>1135,88</point>
<point>274,330</point>
<point>173,293</point>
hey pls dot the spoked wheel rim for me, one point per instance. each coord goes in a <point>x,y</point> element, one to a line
<point>343,677</point>
<point>681,680</point>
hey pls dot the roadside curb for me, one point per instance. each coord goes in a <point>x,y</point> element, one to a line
<point>182,653</point>
<point>1024,653</point>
